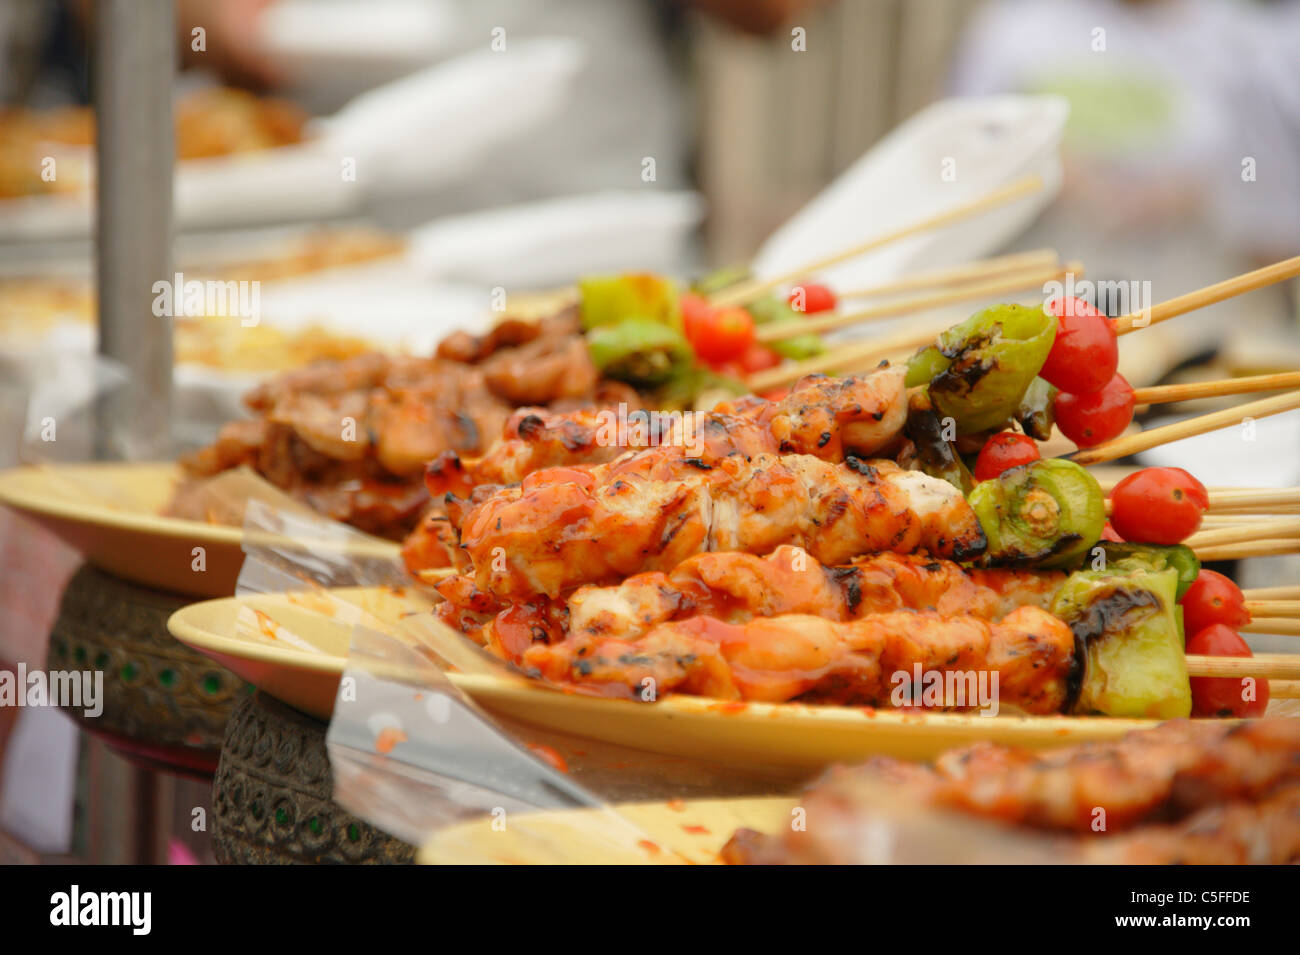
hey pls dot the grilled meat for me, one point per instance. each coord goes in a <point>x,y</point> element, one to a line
<point>798,656</point>
<point>651,509</point>
<point>1182,792</point>
<point>829,418</point>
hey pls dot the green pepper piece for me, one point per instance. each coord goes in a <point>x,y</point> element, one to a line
<point>1045,514</point>
<point>978,371</point>
<point>1127,624</point>
<point>640,351</point>
<point>1037,411</point>
<point>799,347</point>
<point>609,299</point>
<point>715,281</point>
<point>1152,557</point>
<point>937,457</point>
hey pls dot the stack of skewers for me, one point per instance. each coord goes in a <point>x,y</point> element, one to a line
<point>889,538</point>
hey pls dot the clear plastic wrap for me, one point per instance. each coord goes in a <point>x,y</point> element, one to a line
<point>421,747</point>
<point>413,754</point>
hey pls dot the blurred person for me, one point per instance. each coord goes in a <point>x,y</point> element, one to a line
<point>1182,151</point>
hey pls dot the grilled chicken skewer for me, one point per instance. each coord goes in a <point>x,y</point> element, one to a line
<point>1221,792</point>
<point>737,587</point>
<point>652,509</point>
<point>1027,659</point>
<point>826,417</point>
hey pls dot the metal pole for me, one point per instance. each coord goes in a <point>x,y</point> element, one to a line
<point>135,53</point>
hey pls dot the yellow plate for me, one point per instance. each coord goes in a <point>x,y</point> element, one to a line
<point>112,513</point>
<point>298,650</point>
<point>661,833</point>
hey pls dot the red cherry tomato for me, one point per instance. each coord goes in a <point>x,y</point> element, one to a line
<point>1158,506</point>
<point>1108,534</point>
<point>1085,354</point>
<point>1090,419</point>
<point>1225,696</point>
<point>723,334</point>
<point>758,358</point>
<point>1003,451</point>
<point>695,311</point>
<point>811,297</point>
<point>1213,598</point>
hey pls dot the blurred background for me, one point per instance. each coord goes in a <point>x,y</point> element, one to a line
<point>516,144</point>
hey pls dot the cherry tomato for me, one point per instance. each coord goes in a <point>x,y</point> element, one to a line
<point>811,297</point>
<point>1213,598</point>
<point>1158,506</point>
<point>695,310</point>
<point>1108,534</point>
<point>723,334</point>
<point>758,358</point>
<point>1003,451</point>
<point>1090,419</point>
<point>1222,695</point>
<point>1085,354</point>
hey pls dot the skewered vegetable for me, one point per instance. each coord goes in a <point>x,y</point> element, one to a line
<point>811,297</point>
<point>610,299</point>
<point>1002,452</point>
<point>1046,514</point>
<point>1154,557</point>
<point>1037,411</point>
<point>1225,696</point>
<point>639,351</point>
<point>1090,419</point>
<point>1085,354</point>
<point>1158,505</point>
<point>935,455</point>
<point>1125,618</point>
<point>979,371</point>
<point>1211,599</point>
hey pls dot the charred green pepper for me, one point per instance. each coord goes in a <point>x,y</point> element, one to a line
<point>936,455</point>
<point>979,371</point>
<point>610,299</point>
<point>1037,410</point>
<point>1045,514</point>
<point>1154,557</point>
<point>640,351</point>
<point>770,310</point>
<point>1126,624</point>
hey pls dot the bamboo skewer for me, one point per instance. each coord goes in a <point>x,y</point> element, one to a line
<point>1280,666</point>
<point>1287,626</point>
<point>1249,282</point>
<point>1246,498</point>
<point>1241,533</point>
<point>1125,445</point>
<point>1163,394</point>
<point>431,575</point>
<point>744,292</point>
<point>1284,689</point>
<point>1273,608</point>
<point>1291,592</point>
<point>1015,282</point>
<point>856,355</point>
<point>958,275</point>
<point>1258,548</point>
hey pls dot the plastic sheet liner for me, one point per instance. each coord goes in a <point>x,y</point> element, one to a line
<point>414,755</point>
